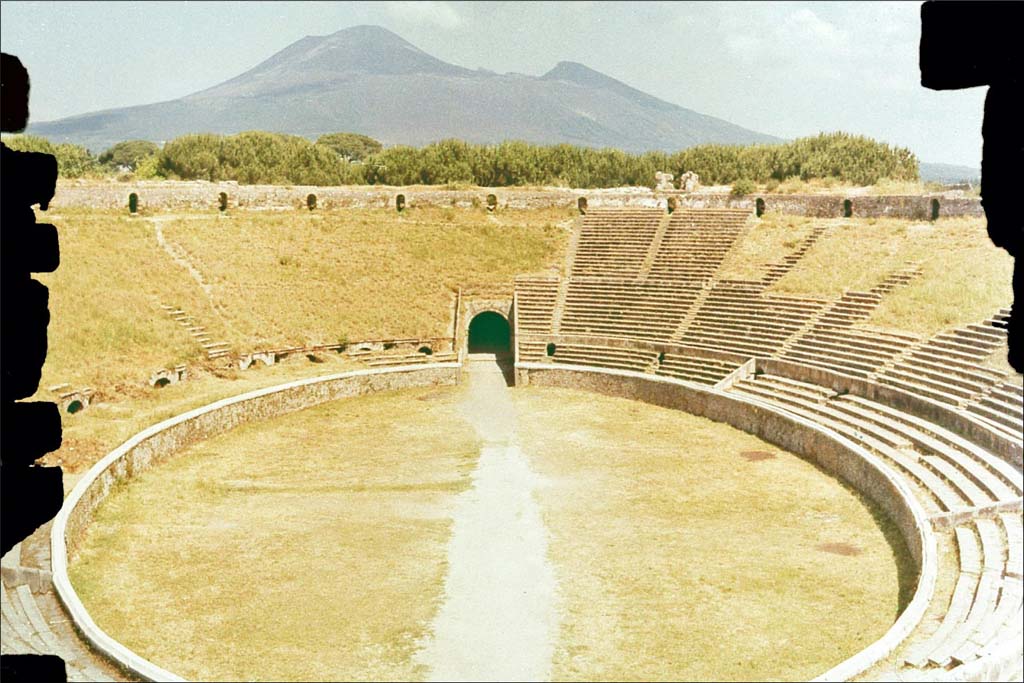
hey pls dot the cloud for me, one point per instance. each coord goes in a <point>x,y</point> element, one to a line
<point>440,14</point>
<point>800,41</point>
<point>806,28</point>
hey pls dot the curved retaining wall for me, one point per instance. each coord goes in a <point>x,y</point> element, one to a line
<point>157,443</point>
<point>832,452</point>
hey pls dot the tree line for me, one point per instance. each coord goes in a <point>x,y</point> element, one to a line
<point>258,157</point>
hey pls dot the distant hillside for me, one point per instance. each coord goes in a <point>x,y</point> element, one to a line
<point>949,173</point>
<point>368,80</point>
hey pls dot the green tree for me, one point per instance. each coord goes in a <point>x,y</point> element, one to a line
<point>743,186</point>
<point>261,157</point>
<point>350,146</point>
<point>73,161</point>
<point>191,157</point>
<point>128,154</point>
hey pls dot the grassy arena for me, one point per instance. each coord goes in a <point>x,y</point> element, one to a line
<point>313,544</point>
<point>677,559</point>
<point>680,559</point>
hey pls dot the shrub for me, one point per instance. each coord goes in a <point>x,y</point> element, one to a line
<point>148,168</point>
<point>73,161</point>
<point>743,186</point>
<point>260,157</point>
<point>350,146</point>
<point>256,157</point>
<point>128,154</point>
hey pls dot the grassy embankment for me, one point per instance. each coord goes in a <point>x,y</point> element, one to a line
<point>274,279</point>
<point>830,185</point>
<point>964,277</point>
<point>775,236</point>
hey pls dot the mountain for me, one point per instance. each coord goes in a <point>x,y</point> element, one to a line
<point>366,79</point>
<point>949,173</point>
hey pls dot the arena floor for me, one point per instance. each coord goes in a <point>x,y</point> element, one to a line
<point>485,532</point>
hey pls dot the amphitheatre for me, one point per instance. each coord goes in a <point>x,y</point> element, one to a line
<point>526,434</point>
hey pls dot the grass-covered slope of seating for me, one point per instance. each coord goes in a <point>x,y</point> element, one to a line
<point>271,278</point>
<point>964,277</point>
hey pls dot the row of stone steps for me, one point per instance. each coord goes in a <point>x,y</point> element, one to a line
<point>776,271</point>
<point>33,622</point>
<point>536,299</point>
<point>985,606</point>
<point>212,349</point>
<point>955,475</point>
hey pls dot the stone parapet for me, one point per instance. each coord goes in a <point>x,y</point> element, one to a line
<point>173,195</point>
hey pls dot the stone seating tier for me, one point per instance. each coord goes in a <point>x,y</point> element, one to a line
<point>936,493</point>
<point>986,599</point>
<point>535,304</point>
<point>736,315</point>
<point>828,362</point>
<point>605,357</point>
<point>725,342</point>
<point>866,345</point>
<point>34,624</point>
<point>954,473</point>
<point>702,370</point>
<point>944,381</point>
<point>1011,423</point>
<point>532,350</point>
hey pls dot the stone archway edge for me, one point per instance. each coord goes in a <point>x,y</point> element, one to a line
<point>833,452</point>
<point>162,440</point>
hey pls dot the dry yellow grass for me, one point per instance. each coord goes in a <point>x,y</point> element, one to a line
<point>675,559</point>
<point>766,242</point>
<point>681,560</point>
<point>361,273</point>
<point>276,278</point>
<point>885,186</point>
<point>111,420</point>
<point>964,279</point>
<point>309,547</point>
<point>106,325</point>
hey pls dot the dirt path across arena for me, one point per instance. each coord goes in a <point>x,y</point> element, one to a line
<point>499,620</point>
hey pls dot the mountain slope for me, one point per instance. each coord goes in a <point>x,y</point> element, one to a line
<point>368,80</point>
<point>949,173</point>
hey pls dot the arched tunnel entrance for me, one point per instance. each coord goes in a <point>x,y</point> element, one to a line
<point>489,332</point>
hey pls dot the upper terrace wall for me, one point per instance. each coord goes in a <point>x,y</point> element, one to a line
<point>918,207</point>
<point>194,194</point>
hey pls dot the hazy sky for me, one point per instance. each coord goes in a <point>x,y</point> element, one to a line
<point>784,68</point>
